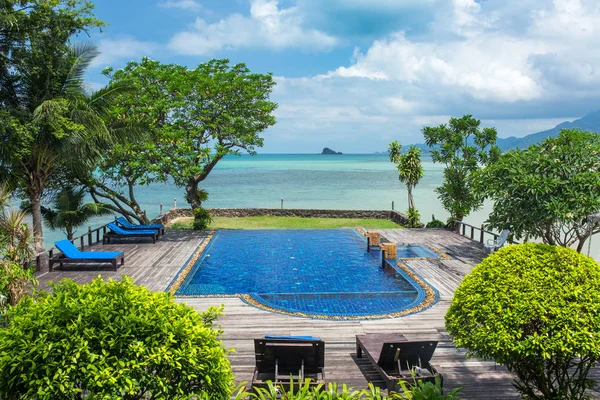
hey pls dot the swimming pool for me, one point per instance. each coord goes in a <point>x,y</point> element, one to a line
<point>312,272</point>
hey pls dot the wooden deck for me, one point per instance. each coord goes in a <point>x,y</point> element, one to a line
<point>156,265</point>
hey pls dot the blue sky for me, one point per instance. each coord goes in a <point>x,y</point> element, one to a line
<point>355,74</point>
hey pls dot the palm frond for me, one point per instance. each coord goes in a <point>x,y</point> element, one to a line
<point>83,53</point>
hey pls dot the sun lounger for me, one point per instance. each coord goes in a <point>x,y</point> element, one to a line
<point>120,233</point>
<point>396,358</point>
<point>494,244</point>
<point>282,359</point>
<point>72,255</point>
<point>122,221</point>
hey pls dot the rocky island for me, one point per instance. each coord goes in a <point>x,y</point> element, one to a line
<point>327,150</point>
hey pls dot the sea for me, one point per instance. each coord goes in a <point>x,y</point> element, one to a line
<point>343,181</point>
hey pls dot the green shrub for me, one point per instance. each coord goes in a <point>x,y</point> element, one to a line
<point>418,391</point>
<point>15,282</point>
<point>435,223</point>
<point>428,391</point>
<point>413,218</point>
<point>536,309</point>
<point>111,340</point>
<point>202,219</point>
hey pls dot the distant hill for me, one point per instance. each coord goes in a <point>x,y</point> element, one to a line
<point>590,122</point>
<point>327,150</point>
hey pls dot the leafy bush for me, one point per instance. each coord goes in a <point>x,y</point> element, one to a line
<point>536,309</point>
<point>435,223</point>
<point>202,219</point>
<point>413,218</point>
<point>418,391</point>
<point>15,282</point>
<point>111,340</point>
<point>428,391</point>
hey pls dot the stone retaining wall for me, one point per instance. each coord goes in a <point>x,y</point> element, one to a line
<point>394,216</point>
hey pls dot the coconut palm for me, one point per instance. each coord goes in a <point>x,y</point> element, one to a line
<point>51,122</point>
<point>69,211</point>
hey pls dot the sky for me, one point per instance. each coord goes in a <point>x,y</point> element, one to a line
<point>354,75</point>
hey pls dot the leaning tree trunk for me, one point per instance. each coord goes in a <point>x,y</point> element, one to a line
<point>191,193</point>
<point>35,198</point>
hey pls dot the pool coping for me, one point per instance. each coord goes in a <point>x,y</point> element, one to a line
<point>426,297</point>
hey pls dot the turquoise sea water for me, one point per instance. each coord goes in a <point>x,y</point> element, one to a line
<point>348,181</point>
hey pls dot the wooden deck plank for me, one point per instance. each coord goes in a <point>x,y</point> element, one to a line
<point>155,266</point>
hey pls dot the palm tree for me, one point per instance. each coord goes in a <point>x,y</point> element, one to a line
<point>51,122</point>
<point>410,170</point>
<point>69,211</point>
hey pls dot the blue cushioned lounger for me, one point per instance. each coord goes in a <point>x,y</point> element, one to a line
<point>72,255</point>
<point>118,232</point>
<point>128,225</point>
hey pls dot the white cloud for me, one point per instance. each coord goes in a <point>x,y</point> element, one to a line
<point>268,25</point>
<point>191,5</point>
<point>123,49</point>
<point>520,78</point>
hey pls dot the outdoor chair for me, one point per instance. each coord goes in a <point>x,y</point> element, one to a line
<point>494,244</point>
<point>397,359</point>
<point>72,255</point>
<point>119,233</point>
<point>122,221</point>
<point>286,359</point>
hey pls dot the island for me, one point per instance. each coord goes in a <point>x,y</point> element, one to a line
<point>327,150</point>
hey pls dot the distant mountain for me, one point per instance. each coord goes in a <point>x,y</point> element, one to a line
<point>590,122</point>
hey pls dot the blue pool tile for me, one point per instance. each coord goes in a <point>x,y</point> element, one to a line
<point>325,271</point>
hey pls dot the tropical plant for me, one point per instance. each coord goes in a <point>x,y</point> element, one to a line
<point>413,218</point>
<point>69,211</point>
<point>48,121</point>
<point>410,170</point>
<point>435,223</point>
<point>304,391</point>
<point>536,309</point>
<point>16,282</point>
<point>427,390</point>
<point>17,276</point>
<point>111,340</point>
<point>546,191</point>
<point>464,148</point>
<point>202,219</point>
<point>197,117</point>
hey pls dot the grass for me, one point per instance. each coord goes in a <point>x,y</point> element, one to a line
<point>268,222</point>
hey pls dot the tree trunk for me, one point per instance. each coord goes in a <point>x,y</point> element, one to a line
<point>191,192</point>
<point>411,202</point>
<point>35,197</point>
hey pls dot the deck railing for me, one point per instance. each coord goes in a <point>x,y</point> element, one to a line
<point>92,236</point>
<point>473,232</point>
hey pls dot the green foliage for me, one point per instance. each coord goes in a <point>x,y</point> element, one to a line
<point>69,211</point>
<point>202,219</point>
<point>111,340</point>
<point>47,120</point>
<point>196,117</point>
<point>410,170</point>
<point>547,190</point>
<point>536,309</point>
<point>418,391</point>
<point>463,147</point>
<point>414,218</point>
<point>16,282</point>
<point>435,223</point>
<point>17,276</point>
<point>428,391</point>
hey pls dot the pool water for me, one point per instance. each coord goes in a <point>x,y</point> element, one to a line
<point>320,272</point>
